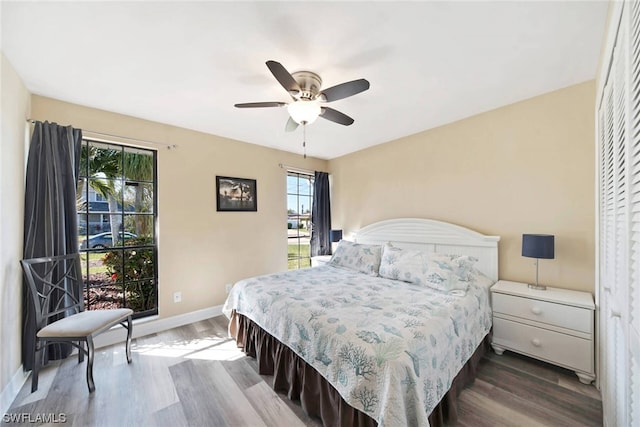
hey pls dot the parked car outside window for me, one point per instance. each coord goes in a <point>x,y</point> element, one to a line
<point>105,240</point>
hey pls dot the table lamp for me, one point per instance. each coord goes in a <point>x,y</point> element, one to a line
<point>538,246</point>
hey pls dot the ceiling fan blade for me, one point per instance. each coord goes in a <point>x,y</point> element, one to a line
<point>260,104</point>
<point>344,90</point>
<point>335,116</point>
<point>284,77</point>
<point>291,125</point>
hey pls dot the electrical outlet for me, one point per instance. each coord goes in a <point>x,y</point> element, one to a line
<point>177,297</point>
<point>228,287</point>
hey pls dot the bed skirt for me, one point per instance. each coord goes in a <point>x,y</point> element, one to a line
<point>318,398</point>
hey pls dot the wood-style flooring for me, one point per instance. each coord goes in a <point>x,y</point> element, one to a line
<point>194,375</point>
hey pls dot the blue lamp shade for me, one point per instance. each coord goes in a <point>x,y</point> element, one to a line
<point>538,246</point>
<point>336,235</point>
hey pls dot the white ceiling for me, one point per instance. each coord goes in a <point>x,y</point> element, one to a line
<point>188,63</point>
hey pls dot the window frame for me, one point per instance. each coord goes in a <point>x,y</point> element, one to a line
<point>122,248</point>
<point>299,260</point>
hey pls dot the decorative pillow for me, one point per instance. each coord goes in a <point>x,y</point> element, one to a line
<point>439,271</point>
<point>461,265</point>
<point>449,273</point>
<point>357,256</point>
<point>404,264</point>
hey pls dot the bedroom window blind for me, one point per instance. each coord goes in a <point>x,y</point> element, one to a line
<point>299,206</point>
<point>618,134</point>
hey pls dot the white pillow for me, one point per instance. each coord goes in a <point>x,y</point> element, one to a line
<point>403,264</point>
<point>439,271</point>
<point>448,273</point>
<point>357,256</point>
<point>460,265</point>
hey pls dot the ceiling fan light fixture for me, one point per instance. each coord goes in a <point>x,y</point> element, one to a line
<point>308,97</point>
<point>304,111</point>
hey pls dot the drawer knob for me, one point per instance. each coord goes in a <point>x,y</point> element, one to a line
<point>536,310</point>
<point>536,342</point>
<point>616,313</point>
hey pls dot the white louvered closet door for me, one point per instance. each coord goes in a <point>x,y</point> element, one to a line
<point>634,289</point>
<point>618,122</point>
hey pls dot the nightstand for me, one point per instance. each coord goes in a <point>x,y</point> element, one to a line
<point>320,260</point>
<point>554,325</point>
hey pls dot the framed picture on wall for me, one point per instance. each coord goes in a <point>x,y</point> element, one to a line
<point>236,194</point>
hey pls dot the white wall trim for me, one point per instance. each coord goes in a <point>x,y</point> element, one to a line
<point>148,326</point>
<point>12,389</point>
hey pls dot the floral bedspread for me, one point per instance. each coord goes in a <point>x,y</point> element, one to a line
<point>390,348</point>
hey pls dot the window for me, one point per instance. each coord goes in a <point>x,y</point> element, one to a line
<point>299,199</point>
<point>117,208</point>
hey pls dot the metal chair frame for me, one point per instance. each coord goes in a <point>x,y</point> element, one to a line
<point>53,298</point>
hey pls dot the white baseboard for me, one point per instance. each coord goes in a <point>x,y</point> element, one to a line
<point>12,389</point>
<point>147,326</point>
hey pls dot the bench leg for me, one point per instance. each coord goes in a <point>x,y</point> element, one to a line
<point>90,351</point>
<point>80,351</point>
<point>37,362</point>
<point>129,333</point>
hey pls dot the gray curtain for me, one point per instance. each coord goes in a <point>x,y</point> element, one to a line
<point>321,216</point>
<point>50,215</point>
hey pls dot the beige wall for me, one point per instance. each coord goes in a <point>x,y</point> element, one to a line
<point>13,112</point>
<point>200,250</point>
<point>523,168</point>
<point>526,167</point>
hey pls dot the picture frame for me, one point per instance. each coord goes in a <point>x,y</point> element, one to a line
<point>236,194</point>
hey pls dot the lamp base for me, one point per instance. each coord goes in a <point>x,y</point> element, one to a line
<point>538,287</point>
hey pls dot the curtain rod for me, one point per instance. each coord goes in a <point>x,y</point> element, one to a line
<point>108,135</point>
<point>296,169</point>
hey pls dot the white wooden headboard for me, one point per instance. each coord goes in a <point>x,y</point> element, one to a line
<point>435,236</point>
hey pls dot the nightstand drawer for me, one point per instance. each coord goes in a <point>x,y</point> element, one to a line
<point>571,352</point>
<point>564,316</point>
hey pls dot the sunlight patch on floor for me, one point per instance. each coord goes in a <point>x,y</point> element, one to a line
<point>205,349</point>
<point>227,350</point>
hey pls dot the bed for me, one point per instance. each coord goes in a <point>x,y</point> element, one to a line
<point>360,343</point>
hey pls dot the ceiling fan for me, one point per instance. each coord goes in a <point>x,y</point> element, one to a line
<point>304,87</point>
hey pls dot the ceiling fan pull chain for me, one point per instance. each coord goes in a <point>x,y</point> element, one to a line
<point>304,139</point>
